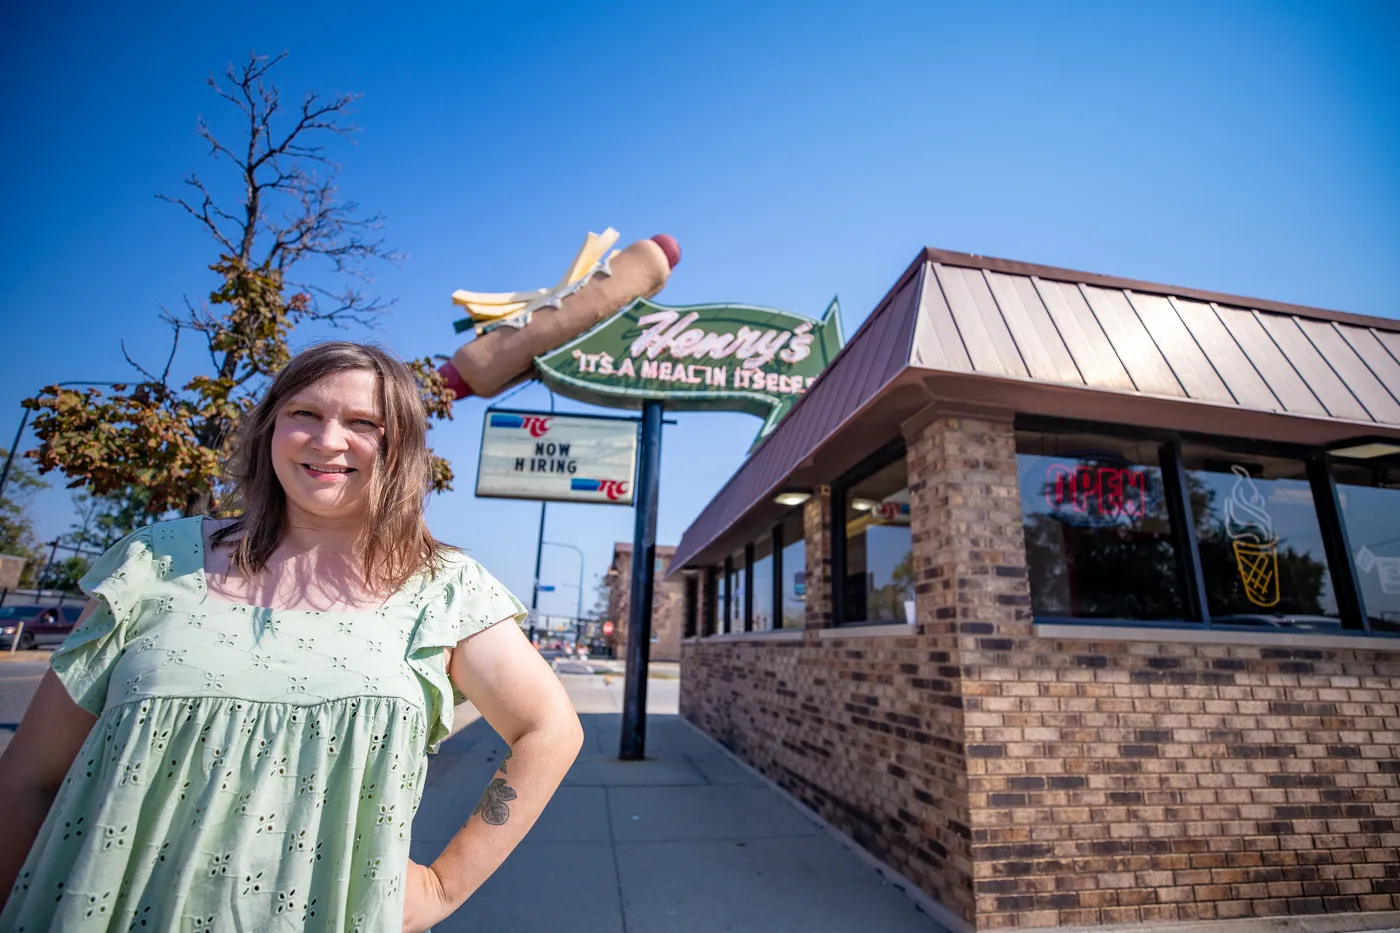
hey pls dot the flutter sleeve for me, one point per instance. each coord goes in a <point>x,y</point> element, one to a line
<point>471,601</point>
<point>116,581</point>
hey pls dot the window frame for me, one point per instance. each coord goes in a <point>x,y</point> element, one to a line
<point>1317,461</point>
<point>874,463</point>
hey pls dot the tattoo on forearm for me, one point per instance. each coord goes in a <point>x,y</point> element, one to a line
<point>509,752</point>
<point>492,805</point>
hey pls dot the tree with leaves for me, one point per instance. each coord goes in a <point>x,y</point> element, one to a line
<point>17,537</point>
<point>290,226</point>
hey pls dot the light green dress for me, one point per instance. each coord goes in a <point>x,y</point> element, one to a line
<point>251,769</point>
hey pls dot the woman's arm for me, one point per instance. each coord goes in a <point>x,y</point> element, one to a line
<point>517,693</point>
<point>33,768</point>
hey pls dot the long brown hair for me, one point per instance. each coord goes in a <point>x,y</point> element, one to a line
<point>397,541</point>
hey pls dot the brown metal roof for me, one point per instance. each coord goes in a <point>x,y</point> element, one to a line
<point>1023,338</point>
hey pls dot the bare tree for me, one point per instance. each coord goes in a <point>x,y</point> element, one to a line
<point>289,214</point>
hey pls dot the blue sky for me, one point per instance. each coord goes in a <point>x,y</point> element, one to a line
<point>795,150</point>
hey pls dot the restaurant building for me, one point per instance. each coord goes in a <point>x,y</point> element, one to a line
<point>1073,600</point>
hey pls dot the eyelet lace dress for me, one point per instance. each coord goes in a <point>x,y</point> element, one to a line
<point>251,769</point>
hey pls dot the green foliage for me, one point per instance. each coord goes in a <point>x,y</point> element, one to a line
<point>103,520</point>
<point>16,528</point>
<point>64,574</point>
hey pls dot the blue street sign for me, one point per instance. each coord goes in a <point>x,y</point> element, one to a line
<point>546,589</point>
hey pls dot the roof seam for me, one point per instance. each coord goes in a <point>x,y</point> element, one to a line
<point>1035,287</point>
<point>1244,353</point>
<point>1365,362</point>
<point>1111,345</point>
<point>1020,354</point>
<point>1340,378</point>
<point>1259,319</point>
<point>1171,301</point>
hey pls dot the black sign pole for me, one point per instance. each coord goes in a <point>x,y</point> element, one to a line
<point>535,591</point>
<point>634,702</point>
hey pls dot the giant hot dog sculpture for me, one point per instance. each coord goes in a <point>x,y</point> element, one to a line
<point>512,328</point>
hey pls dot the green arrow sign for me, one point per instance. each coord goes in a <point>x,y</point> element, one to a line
<point>719,357</point>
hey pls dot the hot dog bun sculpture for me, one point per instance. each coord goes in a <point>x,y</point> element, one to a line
<point>512,328</point>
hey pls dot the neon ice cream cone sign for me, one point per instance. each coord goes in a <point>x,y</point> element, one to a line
<point>1252,536</point>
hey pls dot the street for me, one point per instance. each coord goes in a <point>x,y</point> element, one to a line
<point>19,678</point>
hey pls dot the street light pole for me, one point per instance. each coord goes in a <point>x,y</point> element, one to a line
<point>24,420</point>
<point>578,613</point>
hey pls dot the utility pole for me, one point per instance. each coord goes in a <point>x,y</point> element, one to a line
<point>535,592</point>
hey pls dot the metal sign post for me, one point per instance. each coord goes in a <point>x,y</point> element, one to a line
<point>634,702</point>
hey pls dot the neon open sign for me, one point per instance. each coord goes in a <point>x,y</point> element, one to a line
<point>1097,492</point>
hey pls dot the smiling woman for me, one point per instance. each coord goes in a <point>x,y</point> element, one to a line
<point>236,732</point>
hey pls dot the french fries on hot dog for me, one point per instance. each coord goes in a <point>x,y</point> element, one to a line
<point>512,328</point>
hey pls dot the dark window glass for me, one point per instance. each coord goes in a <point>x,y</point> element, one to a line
<point>879,563</point>
<point>794,572</point>
<point>1262,555</point>
<point>736,593</point>
<point>692,604</point>
<point>1098,536</point>
<point>722,601</point>
<point>1370,498</point>
<point>763,584</point>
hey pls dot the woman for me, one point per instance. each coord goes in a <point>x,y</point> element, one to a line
<point>234,737</point>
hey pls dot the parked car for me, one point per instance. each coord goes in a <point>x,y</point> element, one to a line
<point>43,625</point>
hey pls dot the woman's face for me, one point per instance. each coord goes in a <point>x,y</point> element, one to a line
<point>326,442</point>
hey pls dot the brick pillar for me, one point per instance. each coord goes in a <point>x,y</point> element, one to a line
<point>974,601</point>
<point>973,558</point>
<point>816,530</point>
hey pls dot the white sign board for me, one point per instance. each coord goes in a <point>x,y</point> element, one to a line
<point>560,458</point>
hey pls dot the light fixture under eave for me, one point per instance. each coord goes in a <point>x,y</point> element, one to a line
<point>863,505</point>
<point>1366,448</point>
<point>792,497</point>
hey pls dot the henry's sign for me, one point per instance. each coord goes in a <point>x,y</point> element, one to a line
<point>563,458</point>
<point>719,357</point>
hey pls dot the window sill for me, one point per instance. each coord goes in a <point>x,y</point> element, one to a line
<point>868,631</point>
<point>1213,636</point>
<point>782,634</point>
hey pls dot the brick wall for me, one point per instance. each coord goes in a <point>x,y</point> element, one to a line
<point>1117,782</point>
<point>667,605</point>
<point>1028,781</point>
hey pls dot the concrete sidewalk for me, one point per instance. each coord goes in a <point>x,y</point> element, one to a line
<point>686,841</point>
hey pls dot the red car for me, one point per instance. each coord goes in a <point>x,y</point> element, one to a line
<point>43,625</point>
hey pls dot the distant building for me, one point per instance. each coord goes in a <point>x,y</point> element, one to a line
<point>667,608</point>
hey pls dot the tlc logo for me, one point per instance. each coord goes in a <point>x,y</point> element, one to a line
<point>614,489</point>
<point>537,425</point>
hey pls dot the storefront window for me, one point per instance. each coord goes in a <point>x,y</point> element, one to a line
<point>879,564</point>
<point>1262,555</point>
<point>1370,500</point>
<point>763,584</point>
<point>736,592</point>
<point>794,572</point>
<point>1098,537</point>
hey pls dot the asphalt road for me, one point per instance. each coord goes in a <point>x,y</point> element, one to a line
<point>19,678</point>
